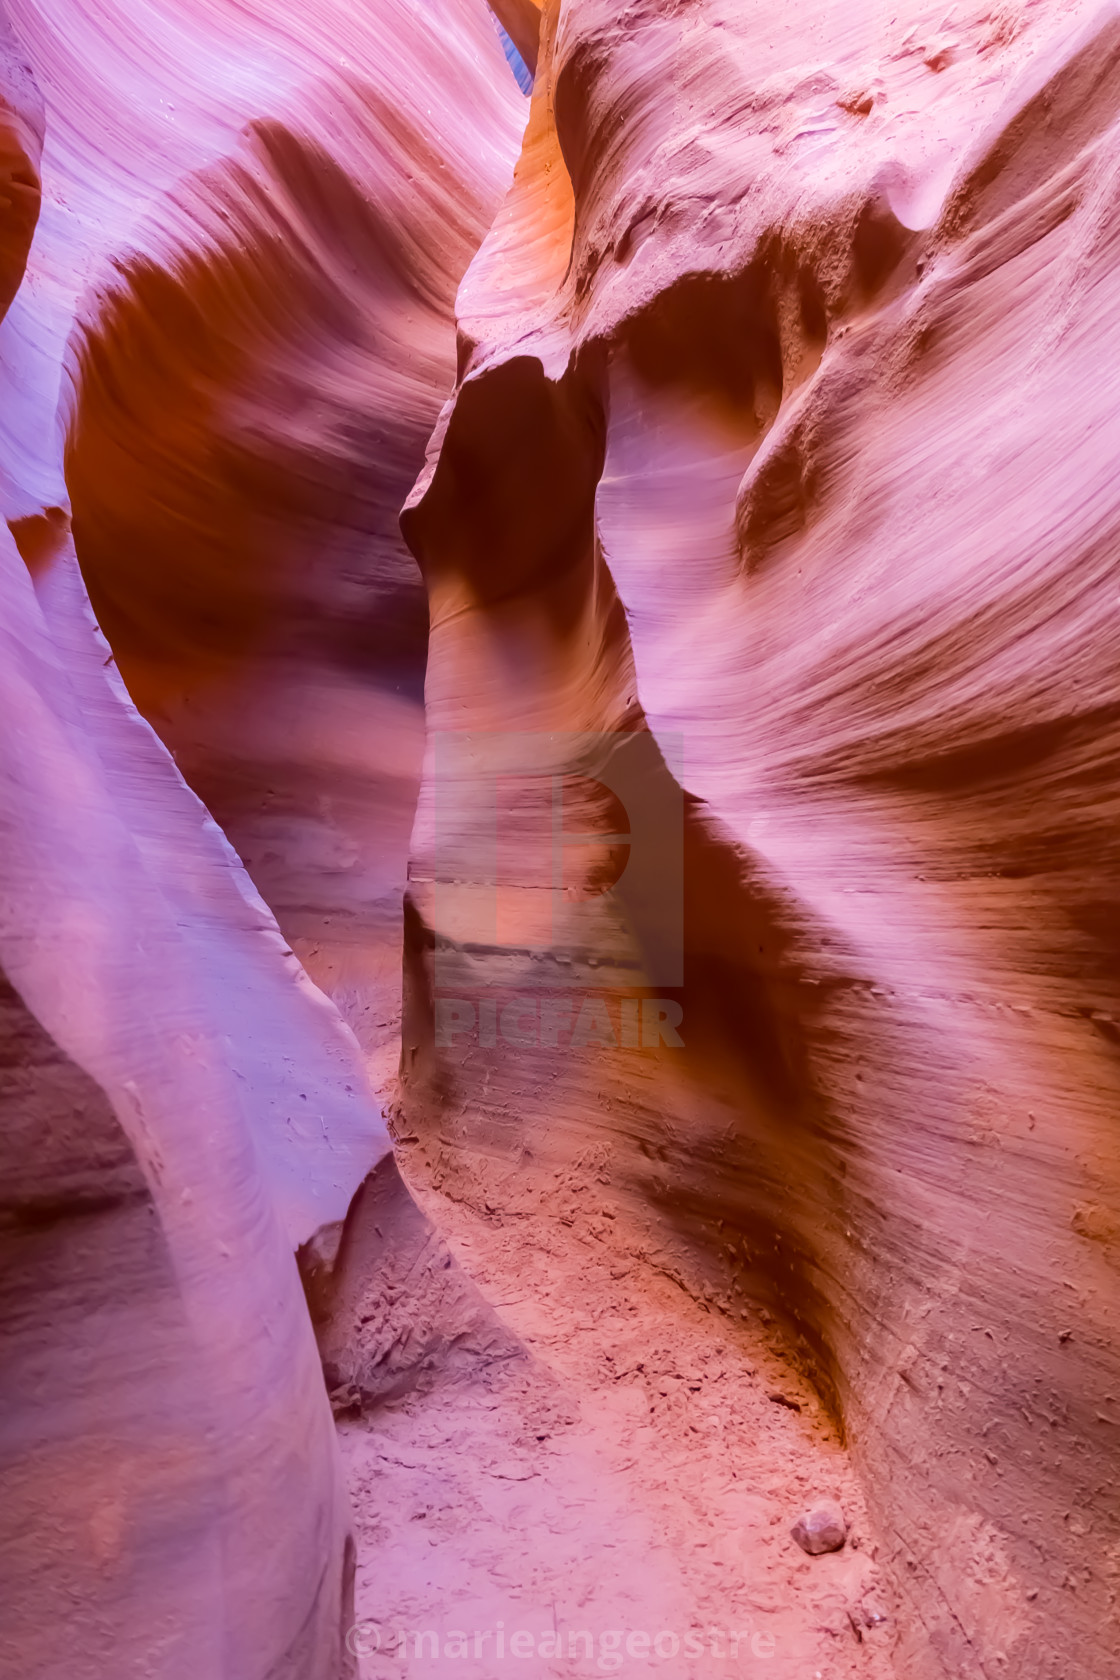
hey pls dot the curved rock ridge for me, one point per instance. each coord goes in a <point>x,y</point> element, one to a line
<point>135,941</point>
<point>236,297</point>
<point>259,341</point>
<point>784,433</point>
<point>21,148</point>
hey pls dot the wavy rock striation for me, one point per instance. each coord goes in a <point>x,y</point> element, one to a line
<point>782,440</point>
<point>723,738</point>
<point>242,299</point>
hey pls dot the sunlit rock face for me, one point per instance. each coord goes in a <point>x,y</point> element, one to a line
<point>256,374</point>
<point>232,339</point>
<point>644,557</point>
<point>786,434</point>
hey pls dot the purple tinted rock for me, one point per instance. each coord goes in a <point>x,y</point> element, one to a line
<point>822,1529</point>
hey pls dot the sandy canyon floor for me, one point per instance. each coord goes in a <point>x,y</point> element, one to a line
<point>634,1480</point>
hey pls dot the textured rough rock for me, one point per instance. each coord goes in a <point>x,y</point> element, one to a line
<point>21,145</point>
<point>821,1530</point>
<point>785,432</point>
<point>393,1311</point>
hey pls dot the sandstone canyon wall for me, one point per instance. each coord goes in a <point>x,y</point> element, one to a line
<point>786,433</point>
<point>183,1108</point>
<point>722,745</point>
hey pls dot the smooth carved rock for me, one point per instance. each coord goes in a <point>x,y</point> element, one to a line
<point>228,257</point>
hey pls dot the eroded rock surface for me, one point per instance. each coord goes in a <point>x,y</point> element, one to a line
<point>723,741</point>
<point>784,433</point>
<point>183,1108</point>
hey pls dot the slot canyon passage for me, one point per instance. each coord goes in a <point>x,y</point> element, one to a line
<point>559,878</point>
